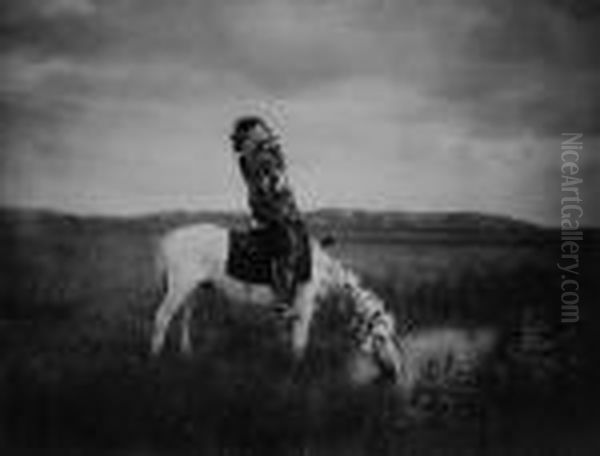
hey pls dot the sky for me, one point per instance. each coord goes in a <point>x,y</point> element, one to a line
<point>124,106</point>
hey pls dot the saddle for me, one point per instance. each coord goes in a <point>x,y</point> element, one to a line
<point>253,252</point>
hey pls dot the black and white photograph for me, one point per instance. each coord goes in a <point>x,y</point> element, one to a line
<point>299,227</point>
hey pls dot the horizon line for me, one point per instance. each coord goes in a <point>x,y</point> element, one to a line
<point>233,211</point>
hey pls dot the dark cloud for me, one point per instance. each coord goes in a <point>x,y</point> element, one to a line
<point>507,66</point>
<point>542,31</point>
<point>452,85</point>
<point>54,27</point>
<point>580,9</point>
<point>527,67</point>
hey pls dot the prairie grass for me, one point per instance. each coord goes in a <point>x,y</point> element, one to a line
<point>77,304</point>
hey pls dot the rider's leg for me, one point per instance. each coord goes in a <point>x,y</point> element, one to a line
<point>283,283</point>
<point>282,270</point>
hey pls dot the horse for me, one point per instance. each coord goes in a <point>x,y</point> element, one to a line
<point>196,255</point>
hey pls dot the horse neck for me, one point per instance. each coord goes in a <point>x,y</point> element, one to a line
<point>369,314</point>
<point>347,281</point>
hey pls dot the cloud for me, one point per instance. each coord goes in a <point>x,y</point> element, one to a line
<point>525,68</point>
<point>52,28</point>
<point>53,8</point>
<point>508,68</point>
<point>46,9</point>
<point>426,104</point>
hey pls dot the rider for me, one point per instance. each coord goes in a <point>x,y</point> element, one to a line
<point>270,198</point>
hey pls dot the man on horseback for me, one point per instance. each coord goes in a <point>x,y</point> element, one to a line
<point>271,200</point>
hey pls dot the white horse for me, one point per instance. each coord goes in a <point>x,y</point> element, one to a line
<point>196,255</point>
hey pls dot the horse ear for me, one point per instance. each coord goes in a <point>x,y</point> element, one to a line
<point>328,241</point>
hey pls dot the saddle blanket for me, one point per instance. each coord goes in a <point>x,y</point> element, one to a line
<point>251,254</point>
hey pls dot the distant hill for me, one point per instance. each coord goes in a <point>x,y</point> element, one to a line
<point>432,226</point>
<point>436,221</point>
<point>342,223</point>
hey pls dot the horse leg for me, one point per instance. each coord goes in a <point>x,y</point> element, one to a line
<point>304,307</point>
<point>186,341</point>
<point>175,298</point>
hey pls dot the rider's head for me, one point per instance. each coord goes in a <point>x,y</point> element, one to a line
<point>248,132</point>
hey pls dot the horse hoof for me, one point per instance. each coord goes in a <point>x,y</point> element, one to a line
<point>186,354</point>
<point>155,350</point>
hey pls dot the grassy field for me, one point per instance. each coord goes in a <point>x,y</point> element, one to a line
<point>77,300</point>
